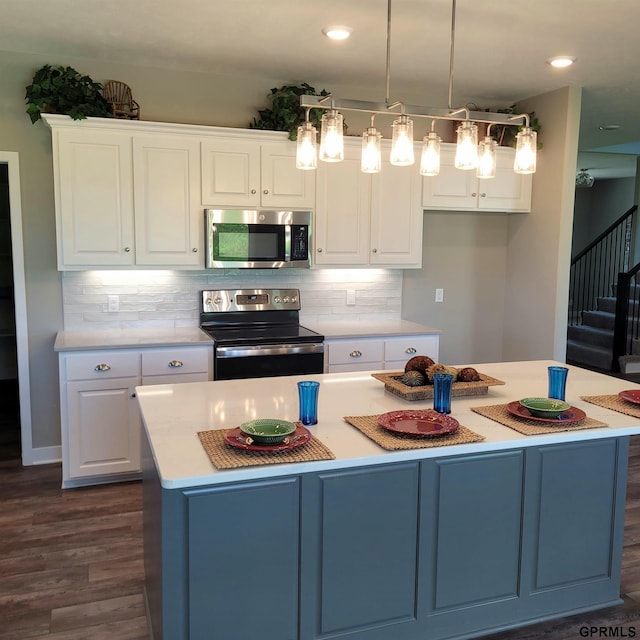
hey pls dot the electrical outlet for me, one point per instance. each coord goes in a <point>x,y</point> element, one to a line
<point>113,303</point>
<point>351,297</point>
<point>439,295</point>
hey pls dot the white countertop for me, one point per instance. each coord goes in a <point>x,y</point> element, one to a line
<point>130,338</point>
<point>173,415</point>
<point>368,328</point>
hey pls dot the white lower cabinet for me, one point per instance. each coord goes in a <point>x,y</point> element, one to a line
<point>377,352</point>
<point>99,414</point>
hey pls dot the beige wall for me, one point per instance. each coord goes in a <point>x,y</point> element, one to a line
<point>471,257</point>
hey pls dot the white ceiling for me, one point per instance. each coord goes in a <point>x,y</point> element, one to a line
<point>501,48</point>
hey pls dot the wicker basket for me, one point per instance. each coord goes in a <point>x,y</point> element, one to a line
<point>393,383</point>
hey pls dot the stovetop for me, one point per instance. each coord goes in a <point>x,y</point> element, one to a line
<point>266,334</point>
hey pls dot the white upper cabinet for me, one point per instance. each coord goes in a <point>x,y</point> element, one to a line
<point>94,198</point>
<point>168,218</point>
<point>367,219</point>
<point>237,172</point>
<point>460,190</point>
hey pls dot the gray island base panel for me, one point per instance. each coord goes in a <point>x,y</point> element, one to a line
<point>439,543</point>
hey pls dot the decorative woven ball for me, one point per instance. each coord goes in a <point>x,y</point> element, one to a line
<point>418,363</point>
<point>413,379</point>
<point>468,374</point>
<point>441,368</point>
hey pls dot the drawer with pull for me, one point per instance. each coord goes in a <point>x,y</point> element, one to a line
<point>401,349</point>
<point>101,364</point>
<point>356,352</point>
<point>176,361</point>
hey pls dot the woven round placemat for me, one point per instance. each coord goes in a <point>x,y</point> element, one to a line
<point>499,413</point>
<point>224,456</point>
<point>614,402</point>
<point>391,441</point>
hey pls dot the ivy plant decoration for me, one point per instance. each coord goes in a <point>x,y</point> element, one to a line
<point>63,90</point>
<point>285,113</point>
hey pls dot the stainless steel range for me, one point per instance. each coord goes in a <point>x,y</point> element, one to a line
<point>257,334</point>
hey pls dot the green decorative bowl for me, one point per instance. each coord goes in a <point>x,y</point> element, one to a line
<point>545,407</point>
<point>268,430</point>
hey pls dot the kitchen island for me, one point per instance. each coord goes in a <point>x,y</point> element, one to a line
<point>441,542</point>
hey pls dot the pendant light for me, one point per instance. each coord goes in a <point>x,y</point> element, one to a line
<point>331,136</point>
<point>487,158</point>
<point>306,146</point>
<point>430,158</point>
<point>371,158</point>
<point>526,151</point>
<point>402,142</point>
<point>467,146</point>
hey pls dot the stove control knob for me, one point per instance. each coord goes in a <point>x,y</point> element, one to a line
<point>217,300</point>
<point>285,299</point>
<point>294,299</point>
<point>277,299</point>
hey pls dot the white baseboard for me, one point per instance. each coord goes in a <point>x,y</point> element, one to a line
<point>42,455</point>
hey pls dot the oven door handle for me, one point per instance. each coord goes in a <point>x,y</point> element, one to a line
<point>269,350</point>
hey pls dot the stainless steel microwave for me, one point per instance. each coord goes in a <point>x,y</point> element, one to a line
<point>263,239</point>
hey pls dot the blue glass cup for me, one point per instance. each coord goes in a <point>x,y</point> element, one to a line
<point>308,399</point>
<point>557,382</point>
<point>442,384</point>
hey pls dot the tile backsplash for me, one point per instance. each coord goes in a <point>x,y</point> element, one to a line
<point>171,298</point>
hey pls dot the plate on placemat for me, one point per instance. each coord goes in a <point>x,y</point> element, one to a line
<point>236,438</point>
<point>572,414</point>
<point>418,423</point>
<point>631,395</point>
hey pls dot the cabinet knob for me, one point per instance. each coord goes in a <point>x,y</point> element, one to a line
<point>319,249</point>
<point>410,350</point>
<point>133,395</point>
<point>356,354</point>
<point>253,191</point>
<point>375,250</point>
<point>483,195</point>
<point>474,194</point>
<point>265,191</point>
<point>175,364</point>
<point>126,249</point>
<point>102,367</point>
<point>195,249</point>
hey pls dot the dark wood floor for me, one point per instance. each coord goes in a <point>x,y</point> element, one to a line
<point>71,563</point>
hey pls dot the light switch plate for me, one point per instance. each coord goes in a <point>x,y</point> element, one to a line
<point>439,295</point>
<point>113,303</point>
<point>351,297</point>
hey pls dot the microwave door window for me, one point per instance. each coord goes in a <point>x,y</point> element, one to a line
<point>248,243</point>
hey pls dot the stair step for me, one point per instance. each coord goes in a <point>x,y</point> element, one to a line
<point>608,304</point>
<point>600,319</point>
<point>591,336</point>
<point>588,355</point>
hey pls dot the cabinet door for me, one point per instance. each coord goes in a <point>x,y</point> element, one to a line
<point>358,571</point>
<point>243,560</point>
<point>169,217</point>
<point>94,198</point>
<point>575,519</point>
<point>452,188</point>
<point>230,173</point>
<point>470,549</point>
<point>396,217</point>
<point>508,191</point>
<point>103,427</point>
<point>282,184</point>
<point>343,202</point>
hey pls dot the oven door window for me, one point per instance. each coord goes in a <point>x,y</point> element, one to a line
<point>248,242</point>
<point>268,366</point>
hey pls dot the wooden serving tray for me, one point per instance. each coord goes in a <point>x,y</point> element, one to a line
<point>393,384</point>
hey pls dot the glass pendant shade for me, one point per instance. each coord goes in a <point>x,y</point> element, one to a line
<point>430,159</point>
<point>331,137</point>
<point>306,147</point>
<point>371,160</point>
<point>487,158</point>
<point>402,142</point>
<point>526,151</point>
<point>467,147</point>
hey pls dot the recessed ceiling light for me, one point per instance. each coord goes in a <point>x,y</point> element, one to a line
<point>561,61</point>
<point>337,32</point>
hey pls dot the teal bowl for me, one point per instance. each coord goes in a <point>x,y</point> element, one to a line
<point>545,407</point>
<point>268,430</point>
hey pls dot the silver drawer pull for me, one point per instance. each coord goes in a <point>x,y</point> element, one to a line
<point>175,364</point>
<point>356,354</point>
<point>102,367</point>
<point>410,350</point>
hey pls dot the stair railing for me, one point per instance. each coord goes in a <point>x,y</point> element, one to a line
<point>627,323</point>
<point>597,266</point>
